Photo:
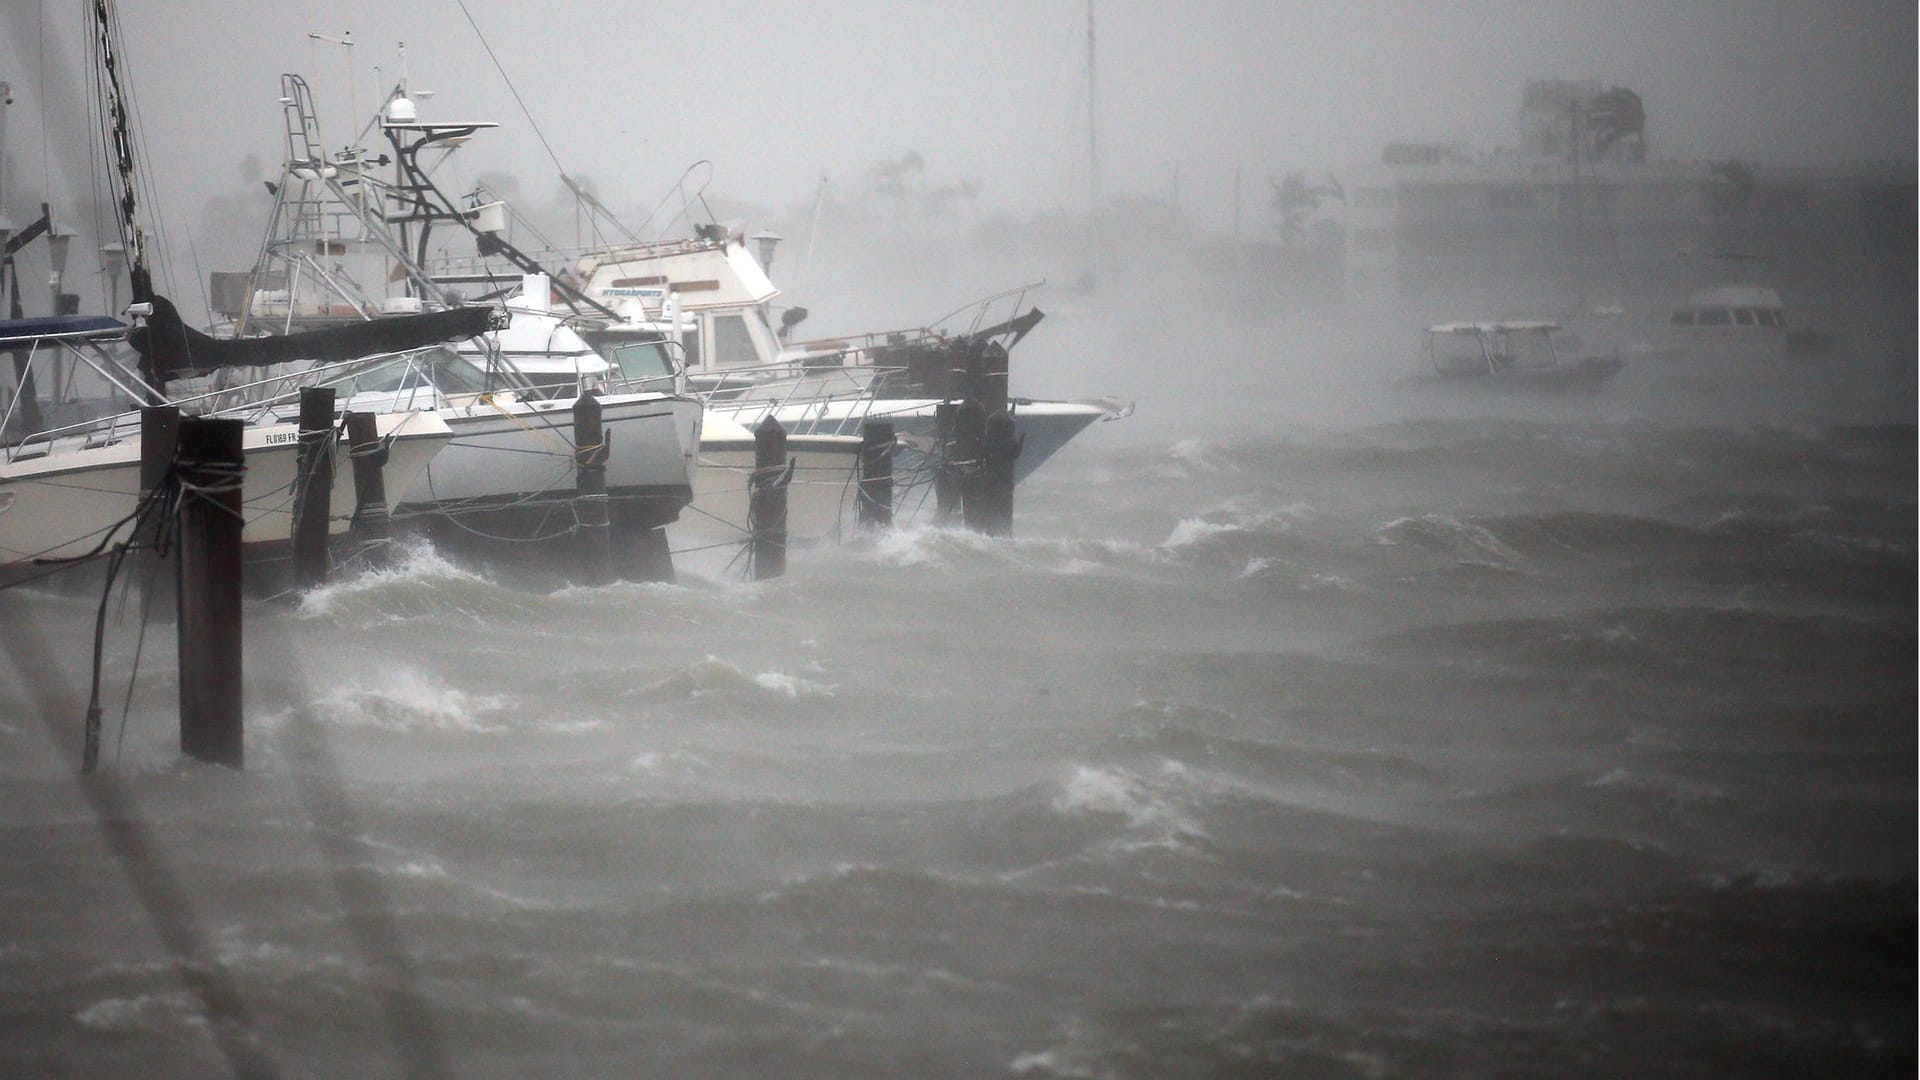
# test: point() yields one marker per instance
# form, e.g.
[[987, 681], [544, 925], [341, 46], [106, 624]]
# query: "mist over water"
[[1312, 723], [1307, 726]]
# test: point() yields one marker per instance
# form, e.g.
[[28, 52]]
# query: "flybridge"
[[700, 274]]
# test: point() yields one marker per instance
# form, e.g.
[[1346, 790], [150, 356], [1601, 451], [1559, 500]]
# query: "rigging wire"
[[156, 500], [594, 208], [46, 156]]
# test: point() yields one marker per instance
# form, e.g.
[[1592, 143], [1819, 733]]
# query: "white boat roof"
[[538, 342], [698, 273], [1493, 326], [437, 125]]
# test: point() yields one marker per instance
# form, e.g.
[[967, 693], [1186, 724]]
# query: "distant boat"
[[1733, 324], [1517, 354]]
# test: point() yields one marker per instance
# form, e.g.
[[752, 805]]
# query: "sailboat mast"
[[138, 274], [1093, 156]]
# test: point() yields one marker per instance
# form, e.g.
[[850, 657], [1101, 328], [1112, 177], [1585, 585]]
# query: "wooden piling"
[[767, 500], [993, 485], [372, 526], [969, 435], [946, 488], [875, 504], [313, 487], [210, 465], [159, 435], [992, 381], [159, 429], [594, 544]]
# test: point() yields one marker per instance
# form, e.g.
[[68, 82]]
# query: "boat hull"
[[509, 472], [67, 502], [1044, 426], [1584, 377], [821, 494]]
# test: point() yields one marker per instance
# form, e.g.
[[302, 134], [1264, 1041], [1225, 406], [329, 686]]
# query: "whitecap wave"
[[410, 701], [416, 564], [713, 675], [1150, 807], [1451, 535], [1193, 530], [142, 1013], [1192, 456]]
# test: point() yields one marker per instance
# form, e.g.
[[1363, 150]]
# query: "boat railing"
[[996, 315], [839, 397], [999, 308], [269, 400]]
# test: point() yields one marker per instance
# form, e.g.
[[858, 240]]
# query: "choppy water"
[[1439, 741]]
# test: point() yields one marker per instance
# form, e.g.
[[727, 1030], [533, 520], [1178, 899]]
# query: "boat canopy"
[[169, 347], [26, 331], [1736, 296], [1505, 326]]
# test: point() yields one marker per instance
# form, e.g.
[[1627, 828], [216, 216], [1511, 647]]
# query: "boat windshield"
[[645, 364], [439, 367], [1458, 354], [1525, 349]]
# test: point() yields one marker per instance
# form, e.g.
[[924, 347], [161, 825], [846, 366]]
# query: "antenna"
[[1093, 161], [345, 40]]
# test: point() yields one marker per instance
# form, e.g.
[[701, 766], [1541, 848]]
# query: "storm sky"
[[779, 95]]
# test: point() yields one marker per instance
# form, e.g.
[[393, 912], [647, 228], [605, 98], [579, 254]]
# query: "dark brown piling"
[[876, 474], [313, 487], [594, 544], [210, 465], [767, 500], [969, 436], [159, 439], [990, 506], [946, 486], [159, 435], [372, 527], [992, 380]]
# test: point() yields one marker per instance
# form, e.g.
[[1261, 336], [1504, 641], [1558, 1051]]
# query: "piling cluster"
[[198, 465]]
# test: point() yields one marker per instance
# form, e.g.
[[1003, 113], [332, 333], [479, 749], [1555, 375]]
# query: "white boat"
[[1518, 354], [1729, 324], [510, 464], [509, 474], [68, 492], [713, 298], [822, 488]]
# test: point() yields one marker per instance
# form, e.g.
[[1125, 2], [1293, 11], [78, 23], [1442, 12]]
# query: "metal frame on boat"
[[1514, 352]]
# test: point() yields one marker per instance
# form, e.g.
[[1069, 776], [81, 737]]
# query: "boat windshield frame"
[[1503, 346]]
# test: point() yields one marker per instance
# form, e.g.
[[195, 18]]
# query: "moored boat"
[[1515, 354], [71, 491]]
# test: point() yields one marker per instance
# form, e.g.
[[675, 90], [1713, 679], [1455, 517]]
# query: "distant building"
[[1580, 198], [1582, 122]]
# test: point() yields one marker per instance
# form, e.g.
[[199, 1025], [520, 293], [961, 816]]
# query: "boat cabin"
[[711, 289], [1730, 322], [1731, 305]]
